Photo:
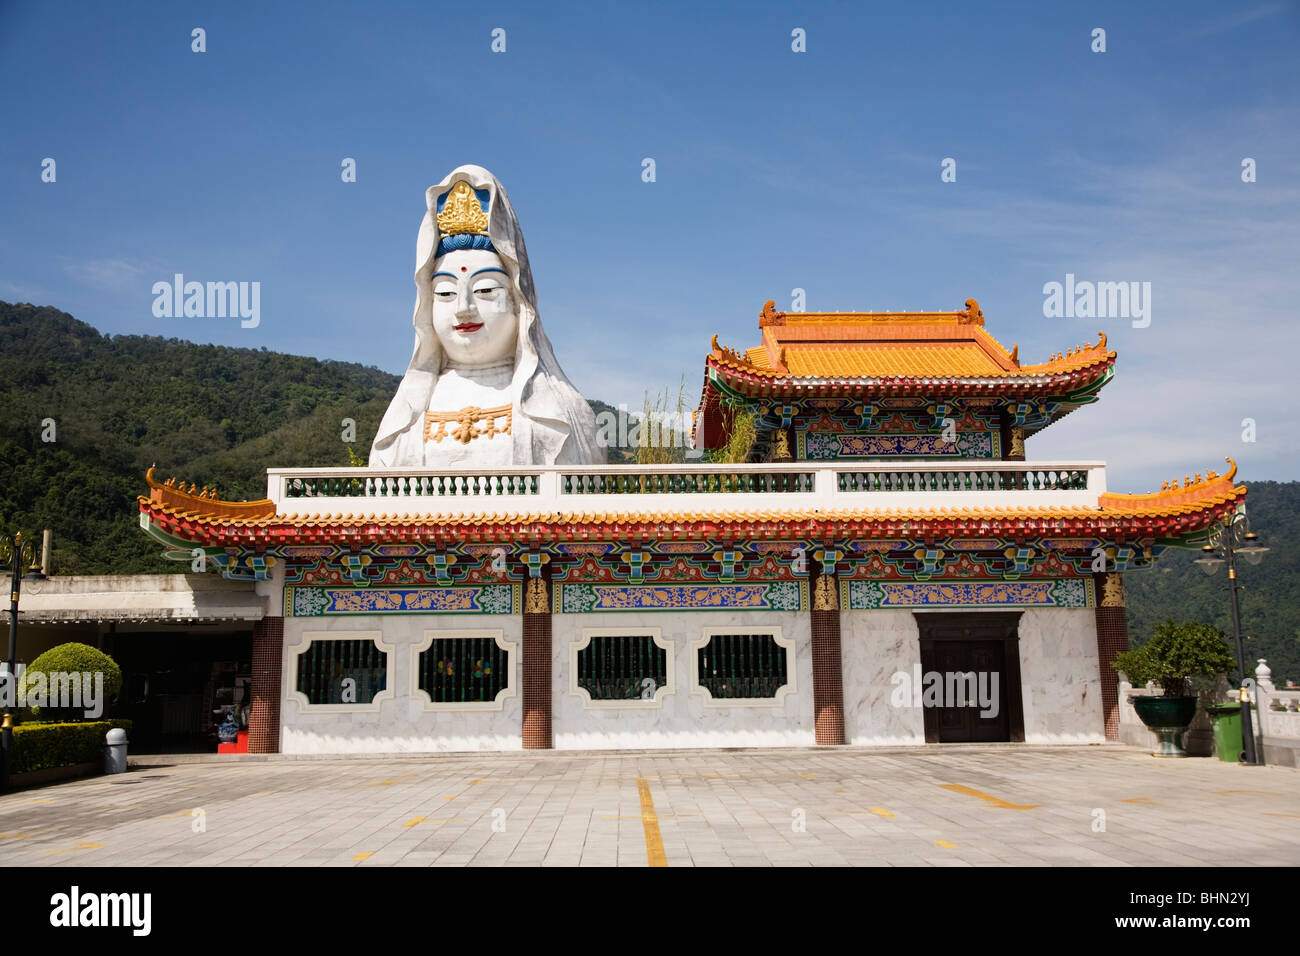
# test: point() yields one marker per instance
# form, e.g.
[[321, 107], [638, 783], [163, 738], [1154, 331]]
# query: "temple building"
[[884, 568], [887, 568]]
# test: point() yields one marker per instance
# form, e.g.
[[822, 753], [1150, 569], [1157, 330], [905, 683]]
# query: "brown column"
[[264, 711], [1112, 638], [537, 663], [828, 679]]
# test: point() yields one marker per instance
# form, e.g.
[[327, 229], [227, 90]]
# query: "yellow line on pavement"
[[363, 856], [1140, 800], [1266, 793], [75, 847], [13, 836], [654, 841], [945, 844], [477, 780], [413, 822], [881, 811], [996, 801]]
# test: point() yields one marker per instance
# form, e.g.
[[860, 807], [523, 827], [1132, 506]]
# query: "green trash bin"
[[1227, 731]]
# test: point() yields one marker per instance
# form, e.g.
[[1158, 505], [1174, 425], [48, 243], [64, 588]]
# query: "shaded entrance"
[[177, 686], [976, 656]]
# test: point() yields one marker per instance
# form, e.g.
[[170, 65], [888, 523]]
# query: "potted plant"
[[1175, 655]]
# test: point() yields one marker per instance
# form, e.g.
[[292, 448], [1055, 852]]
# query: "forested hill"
[[115, 405], [220, 416], [1270, 612]]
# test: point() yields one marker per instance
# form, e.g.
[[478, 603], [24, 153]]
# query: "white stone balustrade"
[[1276, 714], [800, 485]]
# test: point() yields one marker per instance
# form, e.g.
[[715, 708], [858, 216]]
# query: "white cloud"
[[105, 273]]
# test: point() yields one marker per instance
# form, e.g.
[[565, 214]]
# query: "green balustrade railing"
[[408, 486], [688, 483], [963, 480]]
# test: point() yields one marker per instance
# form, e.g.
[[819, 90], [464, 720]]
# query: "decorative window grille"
[[325, 666], [742, 666], [458, 670], [622, 667]]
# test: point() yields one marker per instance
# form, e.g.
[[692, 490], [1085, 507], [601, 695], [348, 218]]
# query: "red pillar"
[[264, 711], [1112, 638], [828, 678], [537, 664]]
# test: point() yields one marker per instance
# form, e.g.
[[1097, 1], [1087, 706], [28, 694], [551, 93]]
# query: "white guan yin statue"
[[483, 389]]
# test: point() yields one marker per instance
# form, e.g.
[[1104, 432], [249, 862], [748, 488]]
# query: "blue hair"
[[462, 241]]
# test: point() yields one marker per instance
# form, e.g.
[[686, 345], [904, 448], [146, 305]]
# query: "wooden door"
[[983, 645]]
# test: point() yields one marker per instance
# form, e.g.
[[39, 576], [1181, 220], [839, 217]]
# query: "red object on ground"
[[240, 746]]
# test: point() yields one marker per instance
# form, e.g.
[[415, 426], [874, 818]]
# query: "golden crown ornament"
[[462, 212]]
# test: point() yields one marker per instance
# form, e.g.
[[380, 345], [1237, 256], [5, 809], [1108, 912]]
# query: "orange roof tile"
[[1173, 498], [926, 345]]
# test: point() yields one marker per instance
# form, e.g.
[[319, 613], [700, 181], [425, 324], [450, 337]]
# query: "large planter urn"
[[1168, 718]]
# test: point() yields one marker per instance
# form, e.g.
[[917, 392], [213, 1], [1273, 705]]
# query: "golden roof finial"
[[971, 315], [462, 212], [769, 316]]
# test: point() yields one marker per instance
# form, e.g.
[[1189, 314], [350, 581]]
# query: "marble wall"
[[1060, 677], [401, 723], [1060, 682], [1061, 687], [683, 717], [874, 646]]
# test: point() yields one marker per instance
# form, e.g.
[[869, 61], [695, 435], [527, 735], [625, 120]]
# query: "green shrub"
[[1175, 654], [42, 746], [68, 659]]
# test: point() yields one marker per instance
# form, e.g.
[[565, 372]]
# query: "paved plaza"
[[934, 806]]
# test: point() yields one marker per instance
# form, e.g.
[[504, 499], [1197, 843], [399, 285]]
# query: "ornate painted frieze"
[[881, 595], [593, 598], [886, 430], [815, 447], [328, 601]]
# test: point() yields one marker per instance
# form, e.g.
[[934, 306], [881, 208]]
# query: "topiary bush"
[[1175, 654], [42, 746], [72, 658]]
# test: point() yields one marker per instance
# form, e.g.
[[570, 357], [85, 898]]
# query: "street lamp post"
[[16, 553], [1232, 537]]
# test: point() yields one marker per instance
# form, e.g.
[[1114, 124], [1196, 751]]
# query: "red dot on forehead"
[[464, 268]]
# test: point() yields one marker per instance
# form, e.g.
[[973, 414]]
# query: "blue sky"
[[775, 170]]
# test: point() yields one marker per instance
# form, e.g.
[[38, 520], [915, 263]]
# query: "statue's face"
[[474, 313]]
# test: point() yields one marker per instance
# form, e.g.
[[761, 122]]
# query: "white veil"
[[552, 423]]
